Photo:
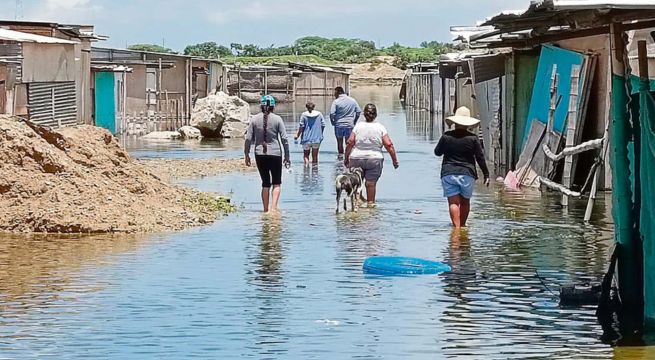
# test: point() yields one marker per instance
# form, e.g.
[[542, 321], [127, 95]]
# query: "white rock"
[[221, 115], [162, 135], [190, 132]]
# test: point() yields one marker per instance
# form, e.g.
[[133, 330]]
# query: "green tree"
[[208, 50], [236, 48], [250, 50], [151, 48]]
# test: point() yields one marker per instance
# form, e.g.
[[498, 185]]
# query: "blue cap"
[[267, 100]]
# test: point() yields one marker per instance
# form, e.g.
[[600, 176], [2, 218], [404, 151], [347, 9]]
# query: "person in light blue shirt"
[[344, 113], [310, 132]]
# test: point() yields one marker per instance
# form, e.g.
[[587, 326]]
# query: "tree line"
[[334, 50]]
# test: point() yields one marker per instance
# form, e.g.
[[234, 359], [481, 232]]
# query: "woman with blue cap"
[[266, 131]]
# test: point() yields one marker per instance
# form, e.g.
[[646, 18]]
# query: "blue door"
[[540, 103], [106, 101]]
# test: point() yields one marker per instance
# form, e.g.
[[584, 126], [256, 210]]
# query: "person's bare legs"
[[276, 196], [266, 191], [464, 209], [306, 156], [454, 210], [314, 156], [340, 142], [370, 192]]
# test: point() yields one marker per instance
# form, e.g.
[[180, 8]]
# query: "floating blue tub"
[[398, 265]]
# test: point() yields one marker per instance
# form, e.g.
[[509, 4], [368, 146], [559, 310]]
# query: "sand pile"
[[80, 180], [376, 72]]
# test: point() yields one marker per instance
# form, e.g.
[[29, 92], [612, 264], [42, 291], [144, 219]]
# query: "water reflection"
[[311, 182], [268, 285], [37, 272], [423, 125]]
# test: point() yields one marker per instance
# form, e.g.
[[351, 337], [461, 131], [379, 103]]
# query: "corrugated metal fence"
[[52, 104]]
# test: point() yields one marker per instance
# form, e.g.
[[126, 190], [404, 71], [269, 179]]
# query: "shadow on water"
[[291, 286]]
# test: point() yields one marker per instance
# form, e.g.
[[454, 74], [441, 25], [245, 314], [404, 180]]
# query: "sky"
[[177, 23]]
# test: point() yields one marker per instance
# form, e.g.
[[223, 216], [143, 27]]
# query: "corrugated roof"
[[10, 35], [602, 4]]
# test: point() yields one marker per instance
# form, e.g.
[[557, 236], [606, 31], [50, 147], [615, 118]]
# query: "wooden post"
[[265, 81], [159, 86], [124, 98], [510, 120], [239, 80], [571, 130], [643, 59]]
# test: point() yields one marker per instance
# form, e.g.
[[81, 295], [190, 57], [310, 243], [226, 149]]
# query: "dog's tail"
[[337, 182]]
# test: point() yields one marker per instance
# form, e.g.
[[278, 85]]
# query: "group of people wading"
[[359, 144]]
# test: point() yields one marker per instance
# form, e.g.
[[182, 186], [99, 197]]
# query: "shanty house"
[[581, 73], [84, 36], [38, 76], [140, 91], [285, 81]]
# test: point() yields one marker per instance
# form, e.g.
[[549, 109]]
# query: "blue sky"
[[181, 22]]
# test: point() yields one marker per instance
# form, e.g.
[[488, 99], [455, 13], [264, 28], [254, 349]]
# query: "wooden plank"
[[588, 75], [571, 129]]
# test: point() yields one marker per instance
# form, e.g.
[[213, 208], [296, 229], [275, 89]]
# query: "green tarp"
[[647, 211], [621, 135], [632, 137]]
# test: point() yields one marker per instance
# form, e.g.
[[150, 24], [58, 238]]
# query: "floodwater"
[[291, 286]]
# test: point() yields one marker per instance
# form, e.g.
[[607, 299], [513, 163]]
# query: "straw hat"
[[462, 117]]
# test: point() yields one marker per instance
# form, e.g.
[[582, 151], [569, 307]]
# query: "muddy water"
[[291, 286]]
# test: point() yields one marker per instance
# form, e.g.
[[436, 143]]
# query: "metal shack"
[[38, 78], [285, 81], [137, 92], [82, 34]]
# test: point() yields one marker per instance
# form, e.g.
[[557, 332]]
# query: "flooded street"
[[291, 286]]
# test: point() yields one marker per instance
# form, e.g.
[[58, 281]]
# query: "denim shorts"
[[342, 131], [458, 185]]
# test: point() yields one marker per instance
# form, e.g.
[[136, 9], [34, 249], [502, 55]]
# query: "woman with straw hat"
[[460, 150]]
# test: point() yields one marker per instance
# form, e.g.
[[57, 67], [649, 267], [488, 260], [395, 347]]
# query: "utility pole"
[[19, 10]]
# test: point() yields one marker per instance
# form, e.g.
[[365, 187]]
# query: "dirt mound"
[[376, 72], [80, 180]]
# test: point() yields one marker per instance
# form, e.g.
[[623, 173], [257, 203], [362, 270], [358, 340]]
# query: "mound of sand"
[[80, 180], [376, 72]]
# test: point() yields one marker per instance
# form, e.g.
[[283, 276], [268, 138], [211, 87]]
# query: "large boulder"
[[221, 116], [190, 132]]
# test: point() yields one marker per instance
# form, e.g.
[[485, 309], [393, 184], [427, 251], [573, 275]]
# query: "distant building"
[[47, 91], [141, 91]]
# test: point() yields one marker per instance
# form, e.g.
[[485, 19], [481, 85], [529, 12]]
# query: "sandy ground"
[[80, 180], [376, 72], [170, 169]]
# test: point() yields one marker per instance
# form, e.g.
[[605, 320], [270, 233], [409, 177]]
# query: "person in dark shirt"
[[460, 150]]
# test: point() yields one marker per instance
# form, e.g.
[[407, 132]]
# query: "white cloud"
[[285, 9], [64, 10]]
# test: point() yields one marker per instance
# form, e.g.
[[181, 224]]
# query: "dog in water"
[[351, 183]]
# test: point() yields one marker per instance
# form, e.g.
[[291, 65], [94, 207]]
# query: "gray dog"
[[351, 183]]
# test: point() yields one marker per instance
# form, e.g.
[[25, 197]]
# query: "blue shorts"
[[458, 185], [342, 131]]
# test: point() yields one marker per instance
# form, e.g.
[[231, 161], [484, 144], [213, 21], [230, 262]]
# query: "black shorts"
[[270, 169]]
